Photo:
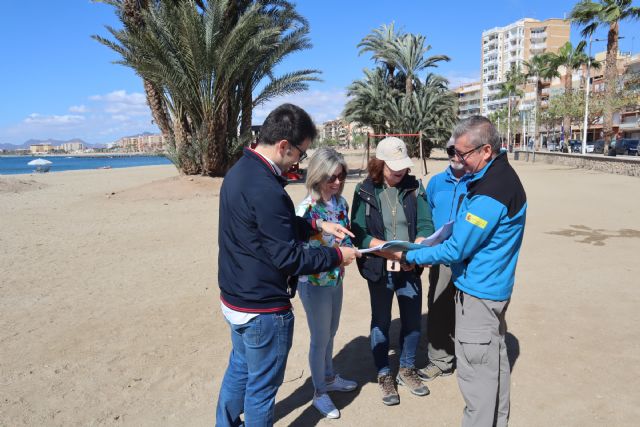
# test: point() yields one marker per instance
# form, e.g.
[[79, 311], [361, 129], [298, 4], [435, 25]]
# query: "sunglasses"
[[303, 154], [451, 151], [341, 176]]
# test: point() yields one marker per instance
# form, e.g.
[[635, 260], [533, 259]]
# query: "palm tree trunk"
[[183, 139], [247, 111], [408, 86], [611, 74], [159, 112], [568, 89], [215, 156]]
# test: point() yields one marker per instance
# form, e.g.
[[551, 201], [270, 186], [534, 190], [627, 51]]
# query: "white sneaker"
[[340, 384], [326, 407]]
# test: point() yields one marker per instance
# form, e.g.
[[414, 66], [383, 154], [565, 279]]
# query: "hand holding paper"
[[442, 234]]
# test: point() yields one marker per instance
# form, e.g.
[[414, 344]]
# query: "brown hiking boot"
[[431, 372], [387, 387], [409, 378]]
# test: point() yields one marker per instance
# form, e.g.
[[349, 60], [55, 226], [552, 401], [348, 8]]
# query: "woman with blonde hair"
[[321, 293]]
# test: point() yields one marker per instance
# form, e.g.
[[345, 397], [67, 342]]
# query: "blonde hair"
[[322, 165]]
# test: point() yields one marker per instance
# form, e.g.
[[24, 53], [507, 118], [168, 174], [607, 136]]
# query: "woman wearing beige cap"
[[389, 205]]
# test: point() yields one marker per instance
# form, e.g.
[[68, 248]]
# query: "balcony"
[[537, 48], [538, 37]]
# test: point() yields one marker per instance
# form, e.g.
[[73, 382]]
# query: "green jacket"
[[424, 224]]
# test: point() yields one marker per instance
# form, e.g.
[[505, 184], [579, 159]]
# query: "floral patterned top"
[[337, 210]]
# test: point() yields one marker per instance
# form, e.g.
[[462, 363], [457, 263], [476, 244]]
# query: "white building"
[[509, 46]]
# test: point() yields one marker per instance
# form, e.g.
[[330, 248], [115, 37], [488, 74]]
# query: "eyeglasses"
[[341, 176], [303, 154], [463, 156]]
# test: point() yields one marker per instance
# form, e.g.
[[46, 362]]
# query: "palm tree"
[[430, 109], [571, 59], [402, 52], [295, 40], [407, 53], [204, 61], [392, 98], [510, 88], [378, 42], [367, 100], [539, 68], [130, 12], [606, 13]]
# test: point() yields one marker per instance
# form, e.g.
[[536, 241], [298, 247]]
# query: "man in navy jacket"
[[262, 250], [482, 251]]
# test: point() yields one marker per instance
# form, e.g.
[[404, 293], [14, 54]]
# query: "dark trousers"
[[407, 288], [441, 318]]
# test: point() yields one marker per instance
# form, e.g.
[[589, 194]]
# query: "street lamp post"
[[586, 102], [586, 97]]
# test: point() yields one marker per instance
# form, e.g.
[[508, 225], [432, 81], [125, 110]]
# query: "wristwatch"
[[319, 223], [403, 258]]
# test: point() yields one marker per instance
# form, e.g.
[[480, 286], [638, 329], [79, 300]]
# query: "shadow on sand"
[[355, 362]]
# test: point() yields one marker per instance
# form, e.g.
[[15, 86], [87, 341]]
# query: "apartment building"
[[509, 46], [337, 130], [146, 143], [469, 99], [40, 148], [71, 147]]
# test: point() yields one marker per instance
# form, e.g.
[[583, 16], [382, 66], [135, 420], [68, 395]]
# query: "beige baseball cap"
[[394, 153]]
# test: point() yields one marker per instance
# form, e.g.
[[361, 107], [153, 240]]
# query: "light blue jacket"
[[487, 234], [443, 194]]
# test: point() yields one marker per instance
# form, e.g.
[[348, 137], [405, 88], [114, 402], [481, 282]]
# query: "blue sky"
[[59, 83]]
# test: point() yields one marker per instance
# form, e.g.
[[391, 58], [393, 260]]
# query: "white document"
[[442, 234]]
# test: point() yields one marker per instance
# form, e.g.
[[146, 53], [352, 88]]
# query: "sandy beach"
[[109, 309]]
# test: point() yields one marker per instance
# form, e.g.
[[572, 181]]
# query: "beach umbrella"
[[39, 162]]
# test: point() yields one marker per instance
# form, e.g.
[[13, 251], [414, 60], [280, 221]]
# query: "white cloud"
[[121, 103], [39, 119], [321, 105], [104, 119], [107, 117], [78, 109], [121, 96]]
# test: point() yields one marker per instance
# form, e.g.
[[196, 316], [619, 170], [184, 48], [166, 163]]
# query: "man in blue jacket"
[[444, 194], [262, 250], [483, 252]]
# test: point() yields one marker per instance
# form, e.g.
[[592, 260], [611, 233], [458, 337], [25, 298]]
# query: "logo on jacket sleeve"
[[476, 220]]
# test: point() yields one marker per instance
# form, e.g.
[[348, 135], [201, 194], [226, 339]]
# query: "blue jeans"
[[256, 370], [322, 305], [407, 287]]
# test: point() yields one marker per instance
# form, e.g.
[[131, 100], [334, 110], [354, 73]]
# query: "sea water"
[[11, 165]]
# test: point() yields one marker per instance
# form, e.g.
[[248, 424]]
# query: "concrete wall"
[[623, 165]]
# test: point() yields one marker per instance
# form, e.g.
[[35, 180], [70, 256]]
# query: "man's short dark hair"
[[288, 122]]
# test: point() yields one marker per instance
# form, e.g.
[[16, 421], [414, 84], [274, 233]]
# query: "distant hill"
[[53, 142]]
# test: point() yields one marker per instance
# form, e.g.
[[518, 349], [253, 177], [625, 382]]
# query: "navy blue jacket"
[[262, 243], [487, 234]]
